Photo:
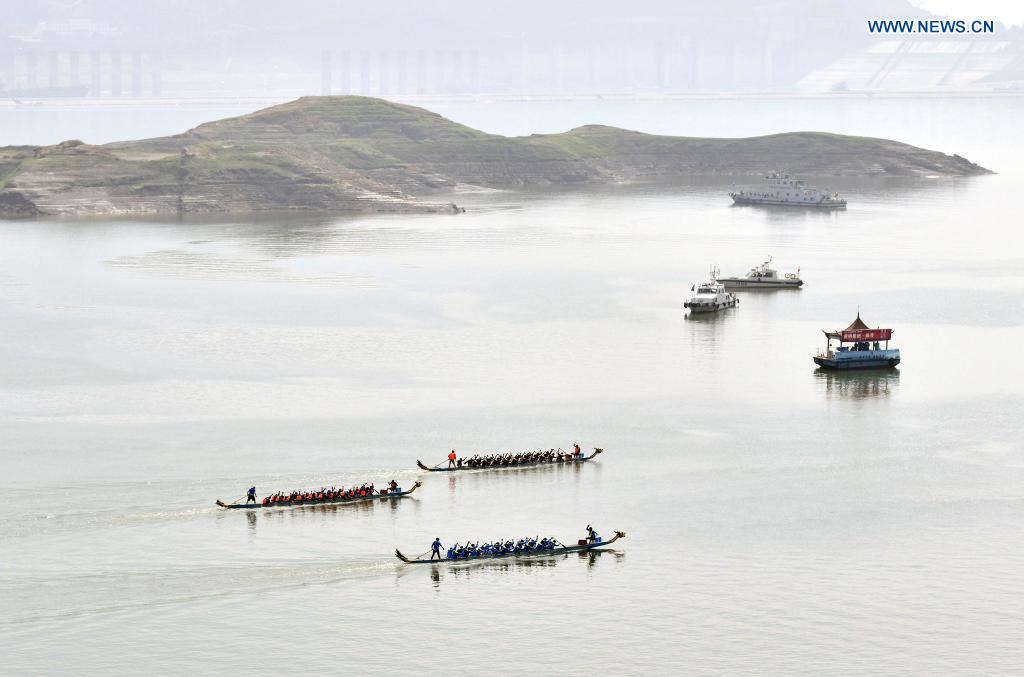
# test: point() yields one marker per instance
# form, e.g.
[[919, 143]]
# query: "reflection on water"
[[764, 291], [503, 473], [720, 317], [792, 216], [486, 567], [499, 481], [858, 383]]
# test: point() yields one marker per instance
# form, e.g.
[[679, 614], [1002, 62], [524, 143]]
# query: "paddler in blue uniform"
[[435, 548], [250, 497]]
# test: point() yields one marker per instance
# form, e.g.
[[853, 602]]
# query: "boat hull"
[[710, 307], [537, 554], [845, 365], [832, 204], [326, 501], [744, 283], [513, 467]]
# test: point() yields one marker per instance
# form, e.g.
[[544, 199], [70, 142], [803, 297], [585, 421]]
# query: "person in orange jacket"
[[451, 459]]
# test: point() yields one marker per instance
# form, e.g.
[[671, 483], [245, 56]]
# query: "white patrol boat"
[[710, 296], [785, 191], [764, 277]]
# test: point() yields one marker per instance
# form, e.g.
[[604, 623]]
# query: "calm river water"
[[779, 520]]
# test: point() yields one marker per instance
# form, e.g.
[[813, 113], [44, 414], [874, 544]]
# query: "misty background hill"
[[457, 48], [354, 153]]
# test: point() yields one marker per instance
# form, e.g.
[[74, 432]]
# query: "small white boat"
[[764, 277], [710, 296]]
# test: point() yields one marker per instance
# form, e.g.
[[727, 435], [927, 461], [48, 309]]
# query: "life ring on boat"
[[787, 275]]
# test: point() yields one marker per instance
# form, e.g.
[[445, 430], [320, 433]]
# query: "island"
[[362, 154]]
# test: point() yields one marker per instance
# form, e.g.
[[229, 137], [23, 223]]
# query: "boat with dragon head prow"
[[523, 549], [531, 459], [321, 496]]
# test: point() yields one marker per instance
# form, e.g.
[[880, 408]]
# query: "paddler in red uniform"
[[451, 459]]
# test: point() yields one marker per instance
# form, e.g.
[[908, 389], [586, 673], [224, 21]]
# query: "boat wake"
[[40, 598]]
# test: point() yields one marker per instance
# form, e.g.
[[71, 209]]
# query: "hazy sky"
[[1010, 12], [460, 47]]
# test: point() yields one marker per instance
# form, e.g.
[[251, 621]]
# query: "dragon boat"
[[345, 498], [532, 554], [508, 466]]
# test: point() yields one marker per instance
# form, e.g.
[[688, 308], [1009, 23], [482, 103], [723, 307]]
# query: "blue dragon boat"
[[865, 349], [581, 546]]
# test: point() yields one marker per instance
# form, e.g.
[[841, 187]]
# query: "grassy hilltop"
[[351, 153]]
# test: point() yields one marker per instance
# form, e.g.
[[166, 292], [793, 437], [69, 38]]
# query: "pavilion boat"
[[322, 499], [581, 546], [568, 460], [865, 350]]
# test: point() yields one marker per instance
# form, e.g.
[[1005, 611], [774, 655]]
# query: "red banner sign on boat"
[[866, 335]]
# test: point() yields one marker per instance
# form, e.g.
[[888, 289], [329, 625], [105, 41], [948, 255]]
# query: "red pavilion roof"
[[858, 331]]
